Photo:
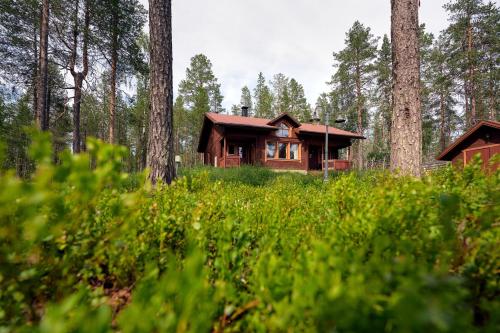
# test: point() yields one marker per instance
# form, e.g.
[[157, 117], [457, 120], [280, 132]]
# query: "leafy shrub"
[[85, 247]]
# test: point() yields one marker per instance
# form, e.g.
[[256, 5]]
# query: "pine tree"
[[19, 44], [120, 23], [426, 75], [406, 136], [41, 118], [263, 98], [355, 72], [383, 98], [489, 69], [200, 93], [246, 100], [299, 108], [199, 78], [442, 94], [465, 50], [281, 97]]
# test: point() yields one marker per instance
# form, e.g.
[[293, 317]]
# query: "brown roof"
[[225, 119], [321, 129], [490, 123]]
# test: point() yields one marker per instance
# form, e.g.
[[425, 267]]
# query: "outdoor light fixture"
[[315, 115]]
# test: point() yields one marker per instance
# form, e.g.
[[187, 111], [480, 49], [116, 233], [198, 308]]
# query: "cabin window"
[[282, 150], [283, 131], [294, 151], [231, 150], [271, 149]]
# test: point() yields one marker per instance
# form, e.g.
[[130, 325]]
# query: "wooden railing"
[[338, 165], [230, 161]]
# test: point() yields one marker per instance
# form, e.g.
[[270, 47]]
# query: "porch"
[[339, 158], [237, 151]]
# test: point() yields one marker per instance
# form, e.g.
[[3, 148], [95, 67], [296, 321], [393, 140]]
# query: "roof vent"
[[244, 111]]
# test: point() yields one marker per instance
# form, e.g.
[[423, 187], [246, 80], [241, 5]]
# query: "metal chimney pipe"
[[244, 111]]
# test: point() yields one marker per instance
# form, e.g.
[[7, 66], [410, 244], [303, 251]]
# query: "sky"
[[293, 37]]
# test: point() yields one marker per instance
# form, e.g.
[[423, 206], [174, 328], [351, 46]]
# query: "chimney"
[[244, 111]]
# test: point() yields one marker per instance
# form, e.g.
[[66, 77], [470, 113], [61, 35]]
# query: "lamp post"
[[337, 121]]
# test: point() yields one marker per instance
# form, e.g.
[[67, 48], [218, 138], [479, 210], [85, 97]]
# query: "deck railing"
[[337, 165], [230, 161]]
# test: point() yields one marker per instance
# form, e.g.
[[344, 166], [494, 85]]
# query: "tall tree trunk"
[[46, 116], [112, 97], [160, 157], [472, 93], [491, 85], [42, 79], [442, 122], [359, 106], [406, 141], [34, 77], [114, 63], [78, 77]]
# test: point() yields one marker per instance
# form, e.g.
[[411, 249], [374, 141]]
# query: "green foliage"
[[263, 98], [245, 250]]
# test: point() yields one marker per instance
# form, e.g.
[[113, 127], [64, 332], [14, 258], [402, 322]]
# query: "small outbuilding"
[[483, 139]]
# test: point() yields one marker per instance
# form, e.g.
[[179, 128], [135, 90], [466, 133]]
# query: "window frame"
[[288, 145], [297, 157], [274, 143], [283, 127]]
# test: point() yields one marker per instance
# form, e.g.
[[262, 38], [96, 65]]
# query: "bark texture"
[[42, 78], [406, 140], [160, 158]]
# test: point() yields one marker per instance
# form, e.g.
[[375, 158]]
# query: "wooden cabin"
[[483, 139], [281, 143]]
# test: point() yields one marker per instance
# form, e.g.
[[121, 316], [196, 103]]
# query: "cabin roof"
[[225, 119], [452, 149], [321, 129]]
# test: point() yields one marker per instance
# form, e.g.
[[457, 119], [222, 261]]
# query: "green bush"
[[85, 247]]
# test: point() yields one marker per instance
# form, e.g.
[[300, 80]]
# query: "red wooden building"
[[483, 139], [281, 143]]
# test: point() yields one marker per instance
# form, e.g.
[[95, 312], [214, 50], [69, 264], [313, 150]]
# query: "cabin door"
[[314, 158]]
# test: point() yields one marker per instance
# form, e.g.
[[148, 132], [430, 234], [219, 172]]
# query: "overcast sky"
[[293, 37]]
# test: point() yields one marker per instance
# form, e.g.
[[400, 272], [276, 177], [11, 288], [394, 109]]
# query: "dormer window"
[[283, 131]]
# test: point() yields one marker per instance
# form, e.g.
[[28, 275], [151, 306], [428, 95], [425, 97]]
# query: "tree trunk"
[[114, 62], [160, 157], [46, 116], [112, 97], [442, 123], [359, 106], [472, 93], [491, 84], [34, 78], [78, 79], [406, 140], [42, 79]]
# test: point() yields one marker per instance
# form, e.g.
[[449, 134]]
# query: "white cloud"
[[294, 37]]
